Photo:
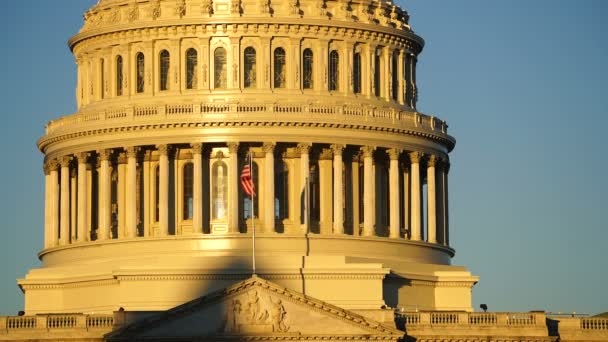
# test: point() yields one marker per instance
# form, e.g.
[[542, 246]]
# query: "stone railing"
[[97, 324], [448, 323], [453, 323], [226, 112]]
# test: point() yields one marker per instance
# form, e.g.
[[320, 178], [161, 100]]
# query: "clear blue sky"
[[523, 85]]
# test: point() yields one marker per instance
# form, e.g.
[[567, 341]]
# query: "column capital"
[[82, 157], [268, 147], [303, 148], [233, 147], [197, 148], [414, 157], [326, 154], [368, 151], [122, 158], [432, 161], [163, 150], [52, 165], [337, 149], [393, 153], [104, 154], [65, 161], [131, 151]]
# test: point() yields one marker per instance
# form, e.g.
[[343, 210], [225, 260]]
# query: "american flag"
[[246, 178]]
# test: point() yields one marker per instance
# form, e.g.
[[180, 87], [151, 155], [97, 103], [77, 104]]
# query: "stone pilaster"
[[233, 187], [131, 192], [82, 197], [105, 199], [64, 220], [431, 199]]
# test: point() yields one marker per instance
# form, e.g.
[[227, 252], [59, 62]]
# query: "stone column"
[[82, 197], [163, 190], [415, 232], [431, 199], [53, 202], [393, 188], [338, 190], [304, 190], [131, 192], [325, 192], [269, 218], [65, 201], [105, 199], [197, 196], [445, 197], [368, 191], [233, 188]]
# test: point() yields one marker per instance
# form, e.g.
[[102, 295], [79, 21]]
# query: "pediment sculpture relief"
[[253, 312]]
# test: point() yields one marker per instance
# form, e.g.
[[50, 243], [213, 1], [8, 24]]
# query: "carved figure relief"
[[155, 10], [253, 312], [235, 7], [133, 13], [114, 16], [207, 7], [180, 8]]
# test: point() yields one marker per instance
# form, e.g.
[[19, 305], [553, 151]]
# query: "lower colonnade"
[[180, 189]]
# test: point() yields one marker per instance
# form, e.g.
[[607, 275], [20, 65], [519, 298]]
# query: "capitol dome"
[[144, 208]]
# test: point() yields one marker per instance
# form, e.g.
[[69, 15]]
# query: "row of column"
[[58, 212]]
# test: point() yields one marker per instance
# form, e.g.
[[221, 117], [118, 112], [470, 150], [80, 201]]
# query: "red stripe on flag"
[[247, 181]]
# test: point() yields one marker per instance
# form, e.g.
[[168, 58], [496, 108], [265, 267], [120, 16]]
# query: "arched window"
[[219, 66], [141, 79], [357, 73], [157, 194], [307, 69], [119, 80], [247, 199], [191, 63], [281, 191], [334, 73], [279, 68], [219, 191], [395, 75], [188, 184], [164, 69], [249, 72], [377, 70]]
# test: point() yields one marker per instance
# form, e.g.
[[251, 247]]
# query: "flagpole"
[[252, 214]]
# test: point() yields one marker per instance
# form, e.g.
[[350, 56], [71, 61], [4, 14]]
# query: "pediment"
[[255, 309]]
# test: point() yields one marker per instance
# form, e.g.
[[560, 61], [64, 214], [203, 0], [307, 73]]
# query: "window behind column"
[[377, 69], [164, 69], [307, 69], [334, 73], [220, 77], [119, 79], [281, 190], [156, 194], [279, 68], [102, 75], [357, 73], [191, 64], [140, 72], [114, 203], [187, 186], [249, 72]]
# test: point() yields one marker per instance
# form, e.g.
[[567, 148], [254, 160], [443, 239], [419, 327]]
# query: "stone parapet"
[[57, 327]]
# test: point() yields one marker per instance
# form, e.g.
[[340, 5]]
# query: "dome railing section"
[[209, 111]]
